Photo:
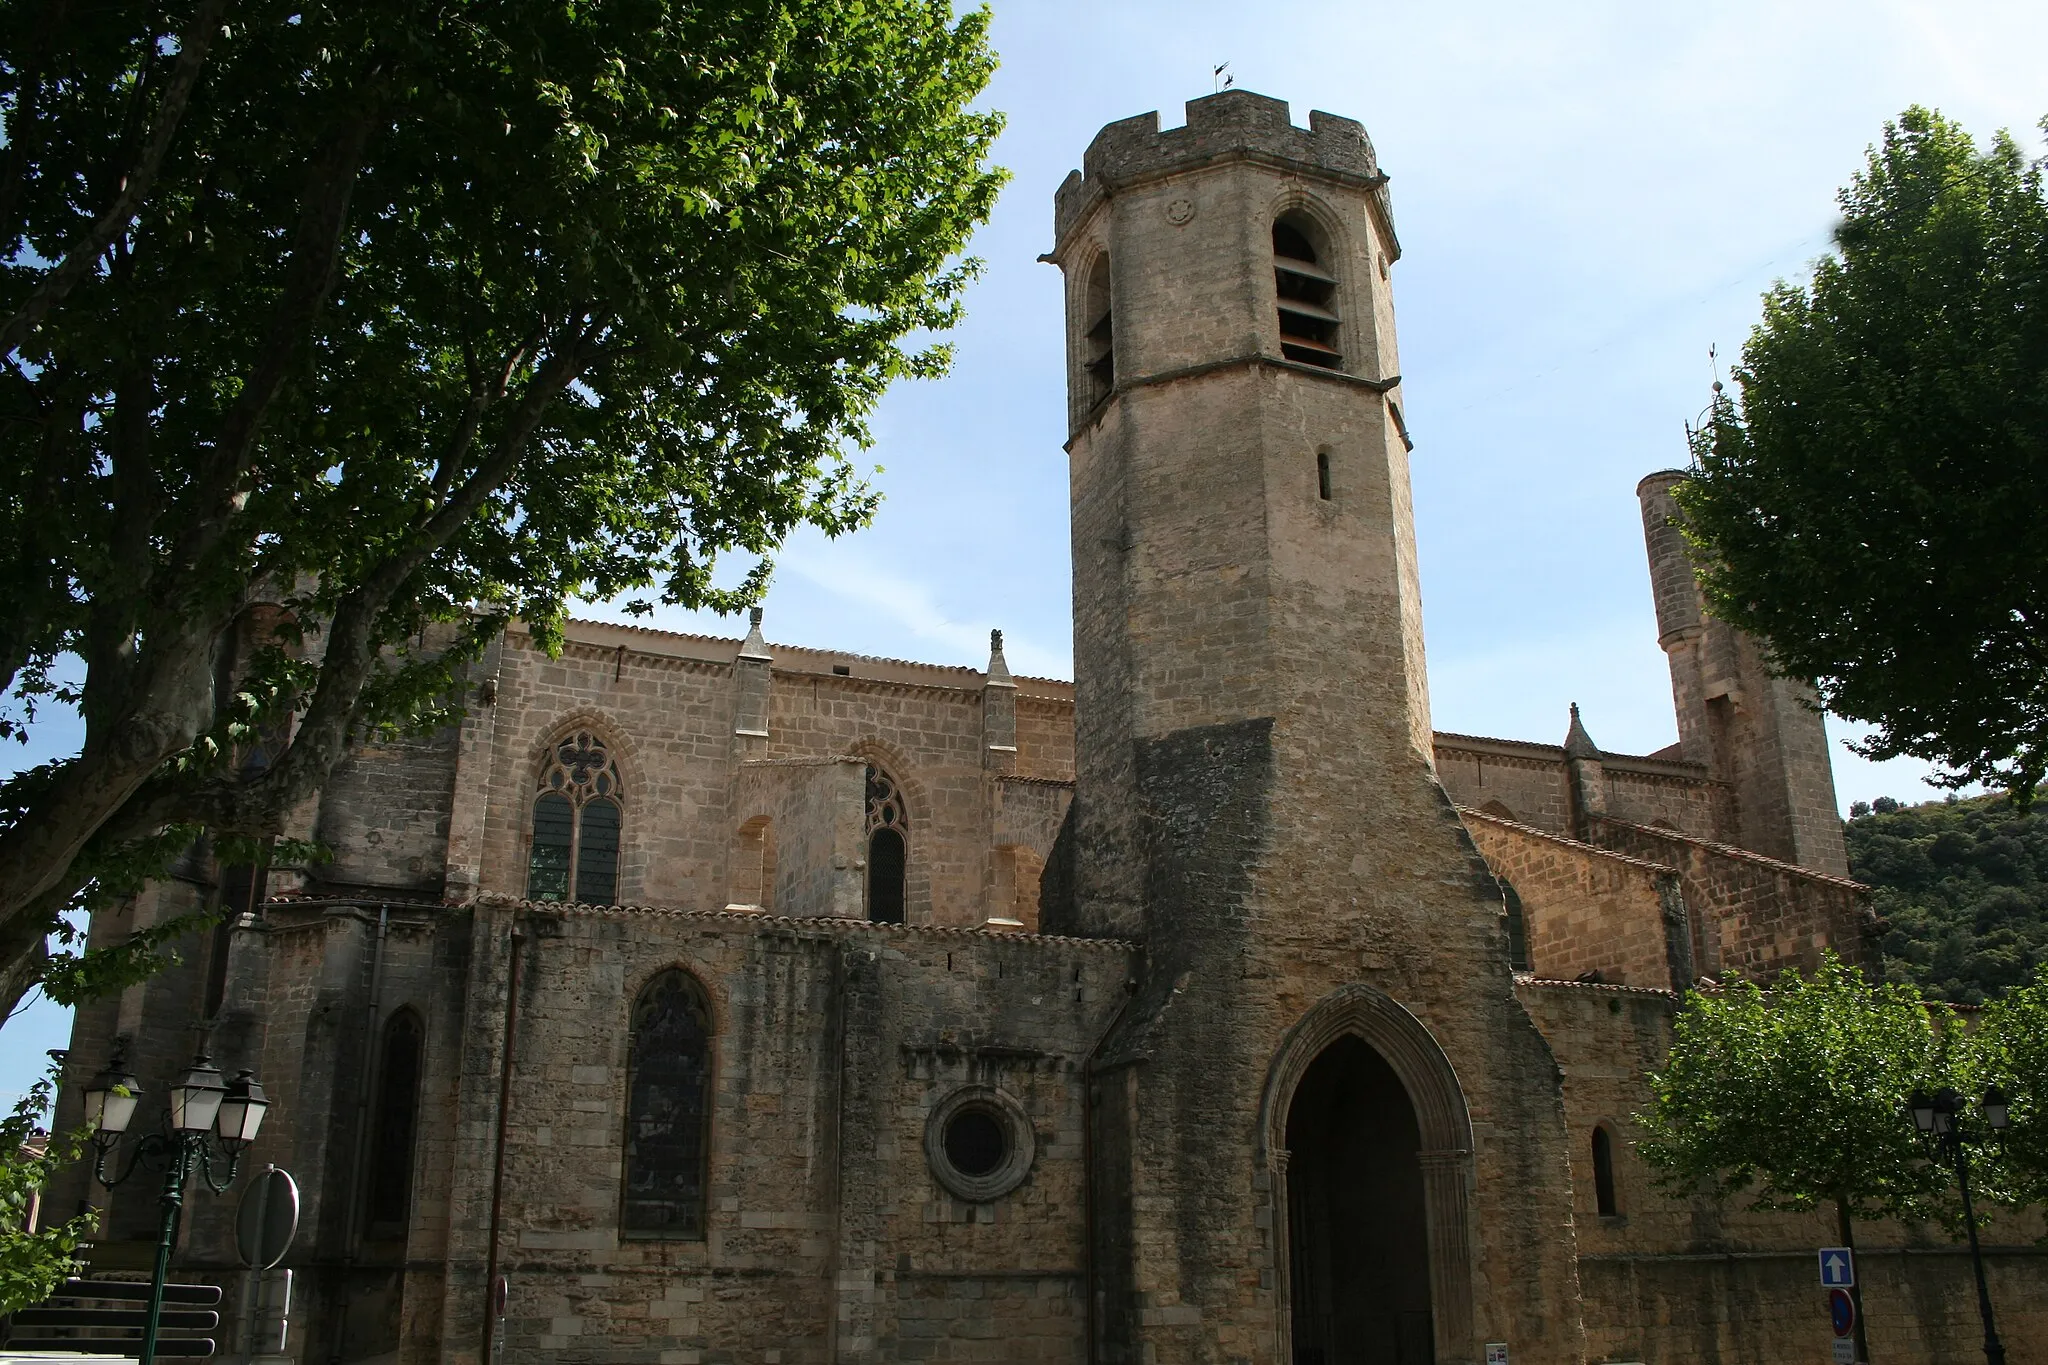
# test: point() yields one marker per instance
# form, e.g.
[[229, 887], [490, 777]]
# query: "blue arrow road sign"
[[1837, 1267]]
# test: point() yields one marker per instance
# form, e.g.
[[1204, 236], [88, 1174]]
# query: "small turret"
[[999, 710], [1588, 776], [750, 674], [1760, 734]]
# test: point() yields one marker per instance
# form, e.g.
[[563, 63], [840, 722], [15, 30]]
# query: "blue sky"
[[1589, 196]]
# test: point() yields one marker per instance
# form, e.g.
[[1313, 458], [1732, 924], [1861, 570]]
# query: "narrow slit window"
[[1603, 1174], [1307, 294], [577, 821], [391, 1144], [1518, 928], [1323, 475]]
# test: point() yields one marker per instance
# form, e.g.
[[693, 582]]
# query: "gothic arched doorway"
[[1358, 1226]]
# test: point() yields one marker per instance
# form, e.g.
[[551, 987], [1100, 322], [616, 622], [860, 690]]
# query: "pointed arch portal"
[[1357, 1237], [1369, 1145]]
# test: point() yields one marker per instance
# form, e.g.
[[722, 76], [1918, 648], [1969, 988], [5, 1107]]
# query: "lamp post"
[[1940, 1118], [200, 1106]]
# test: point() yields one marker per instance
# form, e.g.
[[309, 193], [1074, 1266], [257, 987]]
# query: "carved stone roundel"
[[979, 1143], [1179, 211]]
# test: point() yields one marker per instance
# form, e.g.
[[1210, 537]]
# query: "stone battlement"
[[1235, 122]]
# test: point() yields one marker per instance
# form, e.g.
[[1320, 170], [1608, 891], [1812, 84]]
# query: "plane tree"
[[333, 336], [1795, 1099], [1873, 502]]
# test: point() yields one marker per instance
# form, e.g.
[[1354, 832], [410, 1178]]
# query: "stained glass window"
[[576, 823], [888, 830], [668, 1117]]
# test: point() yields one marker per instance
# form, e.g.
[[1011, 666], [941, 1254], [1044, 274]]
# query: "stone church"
[[729, 1001]]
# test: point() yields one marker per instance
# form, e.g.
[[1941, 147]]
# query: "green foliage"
[[1963, 885], [32, 1264], [370, 326], [2010, 1050], [1796, 1096], [1876, 506]]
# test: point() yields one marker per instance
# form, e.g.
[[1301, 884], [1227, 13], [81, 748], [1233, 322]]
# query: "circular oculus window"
[[979, 1143]]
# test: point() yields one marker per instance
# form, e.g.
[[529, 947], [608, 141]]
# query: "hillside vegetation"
[[1964, 886]]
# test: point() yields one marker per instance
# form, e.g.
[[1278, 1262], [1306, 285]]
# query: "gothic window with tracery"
[[888, 834], [576, 821], [668, 1114]]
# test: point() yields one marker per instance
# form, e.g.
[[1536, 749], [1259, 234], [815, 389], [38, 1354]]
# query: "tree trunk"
[[1845, 1228]]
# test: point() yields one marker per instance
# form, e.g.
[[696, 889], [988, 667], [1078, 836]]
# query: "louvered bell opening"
[[1098, 343], [1101, 361], [1307, 297]]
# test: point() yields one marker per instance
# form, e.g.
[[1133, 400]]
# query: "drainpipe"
[[359, 1161], [498, 1156]]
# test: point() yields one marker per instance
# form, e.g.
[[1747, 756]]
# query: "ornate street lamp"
[[200, 1105], [1945, 1126]]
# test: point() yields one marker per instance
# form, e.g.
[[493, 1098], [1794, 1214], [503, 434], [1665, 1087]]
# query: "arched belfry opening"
[[1307, 293], [1098, 339], [1358, 1228]]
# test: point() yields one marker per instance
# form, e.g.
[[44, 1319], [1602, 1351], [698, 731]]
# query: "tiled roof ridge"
[[799, 921], [1449, 739], [375, 895], [1438, 736], [1743, 854], [773, 645], [1575, 845], [1531, 979]]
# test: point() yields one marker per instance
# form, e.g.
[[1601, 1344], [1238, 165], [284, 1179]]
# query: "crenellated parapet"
[[1235, 124]]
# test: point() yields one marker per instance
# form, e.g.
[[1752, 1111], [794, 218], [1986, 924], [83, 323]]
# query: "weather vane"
[[1221, 74]]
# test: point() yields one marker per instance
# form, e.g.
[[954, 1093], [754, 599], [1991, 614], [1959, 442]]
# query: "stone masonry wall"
[[814, 807], [1753, 915], [667, 706], [1587, 909], [829, 1239], [1688, 1282], [1526, 782], [384, 814], [1649, 792]]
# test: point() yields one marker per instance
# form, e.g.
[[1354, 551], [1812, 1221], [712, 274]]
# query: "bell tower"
[[1256, 799]]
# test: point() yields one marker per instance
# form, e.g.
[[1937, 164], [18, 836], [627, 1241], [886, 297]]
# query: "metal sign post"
[[1838, 1277], [264, 1227], [1842, 1317]]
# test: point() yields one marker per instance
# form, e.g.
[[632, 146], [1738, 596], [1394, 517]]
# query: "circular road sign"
[[1841, 1311], [268, 1219]]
